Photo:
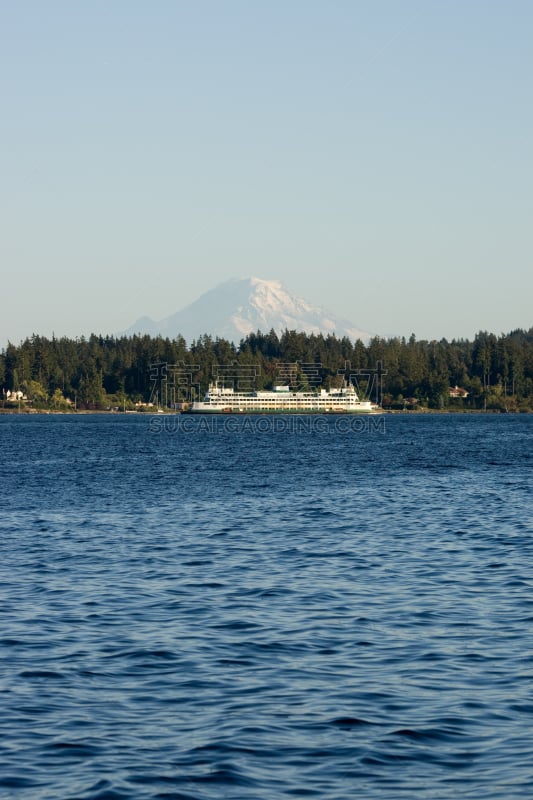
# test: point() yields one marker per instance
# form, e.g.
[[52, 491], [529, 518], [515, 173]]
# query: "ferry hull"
[[212, 408], [220, 412]]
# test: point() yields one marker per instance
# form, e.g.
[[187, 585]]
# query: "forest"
[[493, 373]]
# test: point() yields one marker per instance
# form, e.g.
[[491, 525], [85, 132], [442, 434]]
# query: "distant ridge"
[[240, 306]]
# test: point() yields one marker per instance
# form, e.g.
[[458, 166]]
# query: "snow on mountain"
[[241, 306]]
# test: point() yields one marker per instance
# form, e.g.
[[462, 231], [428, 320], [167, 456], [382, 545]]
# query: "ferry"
[[281, 399]]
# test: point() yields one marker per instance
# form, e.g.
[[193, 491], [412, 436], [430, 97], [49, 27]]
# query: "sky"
[[375, 156]]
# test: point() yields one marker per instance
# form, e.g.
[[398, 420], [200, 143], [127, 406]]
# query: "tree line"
[[101, 372]]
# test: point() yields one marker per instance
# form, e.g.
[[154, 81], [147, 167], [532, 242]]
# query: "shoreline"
[[412, 413]]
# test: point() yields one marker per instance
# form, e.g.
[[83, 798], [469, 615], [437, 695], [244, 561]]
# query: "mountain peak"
[[240, 306]]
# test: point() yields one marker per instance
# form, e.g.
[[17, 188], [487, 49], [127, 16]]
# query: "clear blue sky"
[[375, 156]]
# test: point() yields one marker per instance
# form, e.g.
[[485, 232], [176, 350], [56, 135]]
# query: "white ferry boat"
[[220, 400]]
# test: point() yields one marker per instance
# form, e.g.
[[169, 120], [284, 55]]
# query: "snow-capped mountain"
[[241, 306]]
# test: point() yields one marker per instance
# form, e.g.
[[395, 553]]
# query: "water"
[[260, 612]]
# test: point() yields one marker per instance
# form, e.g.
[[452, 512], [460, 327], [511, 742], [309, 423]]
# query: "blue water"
[[263, 611]]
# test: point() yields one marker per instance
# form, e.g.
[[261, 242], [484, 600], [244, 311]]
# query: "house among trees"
[[456, 391], [15, 396]]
